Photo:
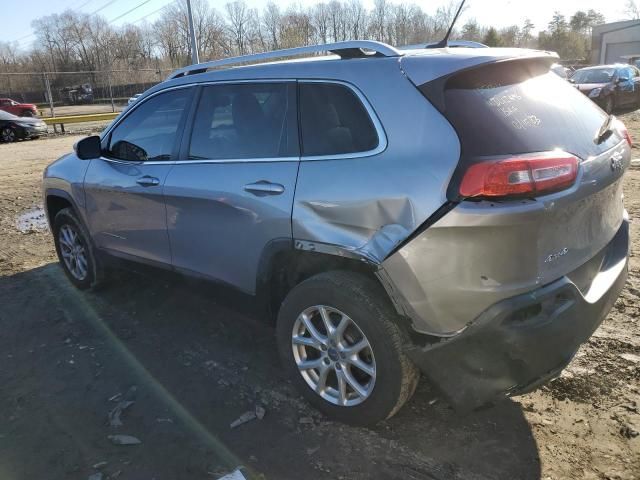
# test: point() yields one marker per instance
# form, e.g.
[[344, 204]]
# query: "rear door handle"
[[148, 181], [264, 187]]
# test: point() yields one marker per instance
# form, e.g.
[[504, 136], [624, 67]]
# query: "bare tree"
[[378, 20], [272, 24], [631, 10], [320, 21], [337, 21], [356, 16], [238, 17]]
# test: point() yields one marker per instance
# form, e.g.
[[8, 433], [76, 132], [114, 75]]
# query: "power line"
[[129, 11], [23, 41], [154, 12], [19, 39], [83, 4], [103, 7], [26, 36]]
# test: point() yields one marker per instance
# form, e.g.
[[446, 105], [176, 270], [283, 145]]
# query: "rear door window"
[[334, 121], [245, 121], [519, 107]]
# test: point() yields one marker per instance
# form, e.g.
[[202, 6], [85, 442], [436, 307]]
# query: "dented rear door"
[[362, 198]]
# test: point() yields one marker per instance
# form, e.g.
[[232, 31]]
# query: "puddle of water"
[[32, 221]]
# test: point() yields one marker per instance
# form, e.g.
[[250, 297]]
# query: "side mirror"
[[88, 148]]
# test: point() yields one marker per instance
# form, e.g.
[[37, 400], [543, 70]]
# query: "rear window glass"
[[521, 107], [334, 121]]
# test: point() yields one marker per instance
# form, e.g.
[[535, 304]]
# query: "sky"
[[16, 21]]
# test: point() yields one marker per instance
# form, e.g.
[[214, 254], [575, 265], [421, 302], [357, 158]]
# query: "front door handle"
[[148, 181], [264, 187]]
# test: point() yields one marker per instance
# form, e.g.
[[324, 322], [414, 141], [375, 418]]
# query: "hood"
[[29, 121]]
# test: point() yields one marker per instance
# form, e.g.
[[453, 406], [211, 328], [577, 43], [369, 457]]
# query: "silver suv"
[[455, 212]]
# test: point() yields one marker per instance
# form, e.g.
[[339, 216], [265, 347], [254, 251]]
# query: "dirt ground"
[[194, 357]]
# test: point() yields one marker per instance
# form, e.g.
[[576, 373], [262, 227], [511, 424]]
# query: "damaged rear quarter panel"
[[368, 205]]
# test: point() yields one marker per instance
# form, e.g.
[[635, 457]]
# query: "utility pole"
[[47, 85], [192, 32]]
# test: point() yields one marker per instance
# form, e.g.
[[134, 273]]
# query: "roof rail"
[[450, 44], [350, 49], [459, 44]]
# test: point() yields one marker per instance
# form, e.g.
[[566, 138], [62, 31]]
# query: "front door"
[[626, 89], [230, 194], [124, 188]]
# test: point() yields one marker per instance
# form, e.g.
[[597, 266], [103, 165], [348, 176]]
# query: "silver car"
[[455, 212], [133, 99]]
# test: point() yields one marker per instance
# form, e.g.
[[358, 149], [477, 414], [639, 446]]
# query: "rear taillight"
[[526, 175], [623, 131]]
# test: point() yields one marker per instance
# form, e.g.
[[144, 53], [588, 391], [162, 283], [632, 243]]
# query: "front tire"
[[341, 345], [75, 251], [609, 104]]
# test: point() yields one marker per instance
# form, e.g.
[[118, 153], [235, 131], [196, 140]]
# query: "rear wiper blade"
[[605, 130]]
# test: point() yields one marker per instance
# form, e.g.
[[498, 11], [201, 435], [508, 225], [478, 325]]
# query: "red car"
[[17, 108]]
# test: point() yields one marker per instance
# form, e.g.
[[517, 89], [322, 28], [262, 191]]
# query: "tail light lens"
[[624, 132], [527, 175]]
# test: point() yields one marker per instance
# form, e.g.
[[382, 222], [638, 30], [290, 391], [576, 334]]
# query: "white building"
[[615, 42]]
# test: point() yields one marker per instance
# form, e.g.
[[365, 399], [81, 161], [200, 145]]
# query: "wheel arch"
[[286, 263], [56, 200]]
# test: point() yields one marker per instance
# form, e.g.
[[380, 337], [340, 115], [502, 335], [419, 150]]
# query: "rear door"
[[124, 188], [230, 194]]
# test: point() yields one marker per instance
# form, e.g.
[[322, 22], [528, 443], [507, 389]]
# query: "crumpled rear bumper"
[[520, 343]]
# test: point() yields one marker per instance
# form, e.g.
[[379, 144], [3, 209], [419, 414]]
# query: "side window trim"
[[375, 120], [105, 139], [185, 137], [188, 130]]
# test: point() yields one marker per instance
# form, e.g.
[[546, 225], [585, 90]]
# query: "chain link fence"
[[78, 93]]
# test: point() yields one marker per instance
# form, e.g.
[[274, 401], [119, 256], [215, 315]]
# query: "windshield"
[[596, 75], [7, 116]]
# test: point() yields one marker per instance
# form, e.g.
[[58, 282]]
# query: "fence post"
[[48, 86], [113, 107]]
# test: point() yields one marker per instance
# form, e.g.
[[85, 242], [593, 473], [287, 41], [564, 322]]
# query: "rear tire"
[[8, 135], [76, 252], [383, 375]]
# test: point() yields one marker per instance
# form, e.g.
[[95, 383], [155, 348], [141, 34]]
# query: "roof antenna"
[[443, 43]]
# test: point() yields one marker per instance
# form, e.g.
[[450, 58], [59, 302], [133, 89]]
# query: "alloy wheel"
[[333, 355], [8, 134], [73, 252]]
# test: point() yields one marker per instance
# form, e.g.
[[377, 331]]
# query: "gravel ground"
[[193, 358]]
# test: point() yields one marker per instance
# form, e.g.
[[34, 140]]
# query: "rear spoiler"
[[430, 72]]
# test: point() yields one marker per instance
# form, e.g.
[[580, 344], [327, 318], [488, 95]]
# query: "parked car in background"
[[14, 128], [561, 71], [17, 108], [77, 94], [390, 226], [133, 99], [610, 86]]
